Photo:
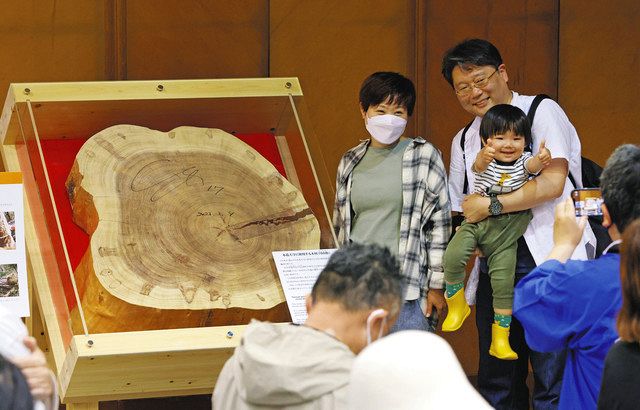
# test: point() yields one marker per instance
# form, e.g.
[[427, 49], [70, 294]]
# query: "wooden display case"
[[153, 363]]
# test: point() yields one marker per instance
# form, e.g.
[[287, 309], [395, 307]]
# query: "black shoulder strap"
[[534, 106], [591, 172], [465, 187], [532, 113]]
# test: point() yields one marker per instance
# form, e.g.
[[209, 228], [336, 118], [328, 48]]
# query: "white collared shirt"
[[552, 125]]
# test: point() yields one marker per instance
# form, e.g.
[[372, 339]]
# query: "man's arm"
[[567, 231], [547, 186], [546, 295]]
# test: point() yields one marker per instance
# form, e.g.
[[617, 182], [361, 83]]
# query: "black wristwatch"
[[495, 207]]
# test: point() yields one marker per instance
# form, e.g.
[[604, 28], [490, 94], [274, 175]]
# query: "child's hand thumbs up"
[[544, 155], [488, 152]]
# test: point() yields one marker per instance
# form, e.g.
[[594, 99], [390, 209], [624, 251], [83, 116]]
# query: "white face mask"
[[386, 128], [370, 319]]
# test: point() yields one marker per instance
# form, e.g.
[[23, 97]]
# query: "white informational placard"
[[298, 271], [14, 291]]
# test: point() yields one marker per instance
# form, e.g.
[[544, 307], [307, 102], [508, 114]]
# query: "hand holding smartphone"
[[587, 201]]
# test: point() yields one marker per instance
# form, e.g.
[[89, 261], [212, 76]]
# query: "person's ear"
[[308, 302], [607, 222], [502, 71], [376, 320], [363, 112], [606, 218]]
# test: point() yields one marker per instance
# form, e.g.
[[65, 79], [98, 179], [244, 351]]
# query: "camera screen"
[[587, 202]]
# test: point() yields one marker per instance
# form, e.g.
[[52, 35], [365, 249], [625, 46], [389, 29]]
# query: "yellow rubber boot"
[[500, 346], [458, 312]]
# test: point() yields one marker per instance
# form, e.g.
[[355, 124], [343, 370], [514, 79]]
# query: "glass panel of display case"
[[167, 210]]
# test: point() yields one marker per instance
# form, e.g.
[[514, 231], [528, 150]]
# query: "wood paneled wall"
[[599, 73], [197, 39], [332, 46], [49, 40], [130, 40]]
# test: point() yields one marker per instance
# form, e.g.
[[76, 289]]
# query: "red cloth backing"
[[59, 155]]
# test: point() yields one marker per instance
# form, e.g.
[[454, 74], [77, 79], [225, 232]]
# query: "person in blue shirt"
[[621, 374], [571, 304]]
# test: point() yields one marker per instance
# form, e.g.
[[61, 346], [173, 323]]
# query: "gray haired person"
[[355, 300]]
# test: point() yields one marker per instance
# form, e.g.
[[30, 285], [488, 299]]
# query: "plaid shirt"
[[425, 223]]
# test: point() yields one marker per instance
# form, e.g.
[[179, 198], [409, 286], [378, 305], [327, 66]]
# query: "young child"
[[392, 191], [501, 166]]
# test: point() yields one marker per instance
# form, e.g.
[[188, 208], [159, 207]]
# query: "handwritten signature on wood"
[[160, 186]]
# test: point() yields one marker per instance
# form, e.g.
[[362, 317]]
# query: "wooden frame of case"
[[113, 366]]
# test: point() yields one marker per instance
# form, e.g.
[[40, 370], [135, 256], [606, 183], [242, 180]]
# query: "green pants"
[[497, 237]]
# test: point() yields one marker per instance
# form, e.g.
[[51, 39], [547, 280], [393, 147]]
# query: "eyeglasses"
[[479, 83]]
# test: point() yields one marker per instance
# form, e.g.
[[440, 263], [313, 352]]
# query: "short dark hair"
[[14, 389], [470, 52], [385, 85], [361, 277], [620, 184], [629, 316], [505, 117]]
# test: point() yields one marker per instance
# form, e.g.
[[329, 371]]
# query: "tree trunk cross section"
[[182, 220]]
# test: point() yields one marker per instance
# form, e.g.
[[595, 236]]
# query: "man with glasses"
[[475, 70]]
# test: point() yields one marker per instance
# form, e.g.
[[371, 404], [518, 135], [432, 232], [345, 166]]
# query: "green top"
[[376, 196]]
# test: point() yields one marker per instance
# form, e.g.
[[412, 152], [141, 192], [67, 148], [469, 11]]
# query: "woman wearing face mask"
[[392, 191]]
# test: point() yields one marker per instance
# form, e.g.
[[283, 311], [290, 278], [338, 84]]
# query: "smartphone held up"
[[587, 201]]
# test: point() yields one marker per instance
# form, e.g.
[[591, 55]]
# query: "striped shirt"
[[425, 222], [504, 178]]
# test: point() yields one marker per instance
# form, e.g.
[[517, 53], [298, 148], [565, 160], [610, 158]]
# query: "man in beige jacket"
[[355, 300]]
